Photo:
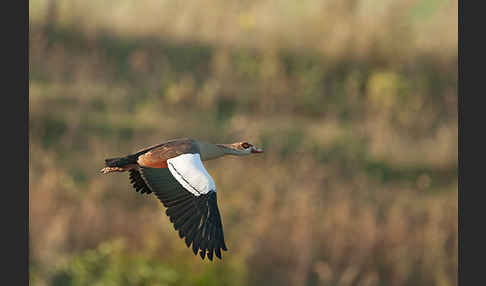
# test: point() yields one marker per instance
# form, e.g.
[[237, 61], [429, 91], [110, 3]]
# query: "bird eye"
[[245, 145]]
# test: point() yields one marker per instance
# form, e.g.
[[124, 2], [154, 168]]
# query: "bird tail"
[[117, 164], [120, 161]]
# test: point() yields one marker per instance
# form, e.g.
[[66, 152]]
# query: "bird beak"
[[256, 150]]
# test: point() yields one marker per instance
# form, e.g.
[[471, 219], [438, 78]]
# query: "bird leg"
[[107, 170]]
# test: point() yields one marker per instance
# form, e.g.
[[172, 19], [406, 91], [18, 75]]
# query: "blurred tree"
[[51, 15]]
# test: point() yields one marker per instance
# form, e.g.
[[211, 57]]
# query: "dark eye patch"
[[245, 145]]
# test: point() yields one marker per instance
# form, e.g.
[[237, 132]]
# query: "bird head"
[[241, 148]]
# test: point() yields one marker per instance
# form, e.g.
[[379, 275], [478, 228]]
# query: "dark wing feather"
[[196, 218], [138, 183]]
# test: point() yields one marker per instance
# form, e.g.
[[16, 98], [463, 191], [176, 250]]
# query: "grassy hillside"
[[354, 102]]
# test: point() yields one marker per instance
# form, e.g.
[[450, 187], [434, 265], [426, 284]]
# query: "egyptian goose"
[[174, 172]]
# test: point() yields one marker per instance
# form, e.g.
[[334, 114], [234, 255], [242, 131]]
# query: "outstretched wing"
[[188, 192]]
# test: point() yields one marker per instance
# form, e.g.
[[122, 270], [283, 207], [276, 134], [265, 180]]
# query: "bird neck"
[[210, 151]]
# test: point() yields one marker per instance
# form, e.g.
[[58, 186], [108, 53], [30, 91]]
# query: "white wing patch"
[[189, 171]]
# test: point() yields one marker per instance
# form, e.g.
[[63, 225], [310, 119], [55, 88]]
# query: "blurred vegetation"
[[355, 103]]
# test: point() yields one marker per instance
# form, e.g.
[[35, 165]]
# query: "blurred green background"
[[355, 103]]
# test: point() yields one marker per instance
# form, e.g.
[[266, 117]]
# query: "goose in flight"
[[174, 172]]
